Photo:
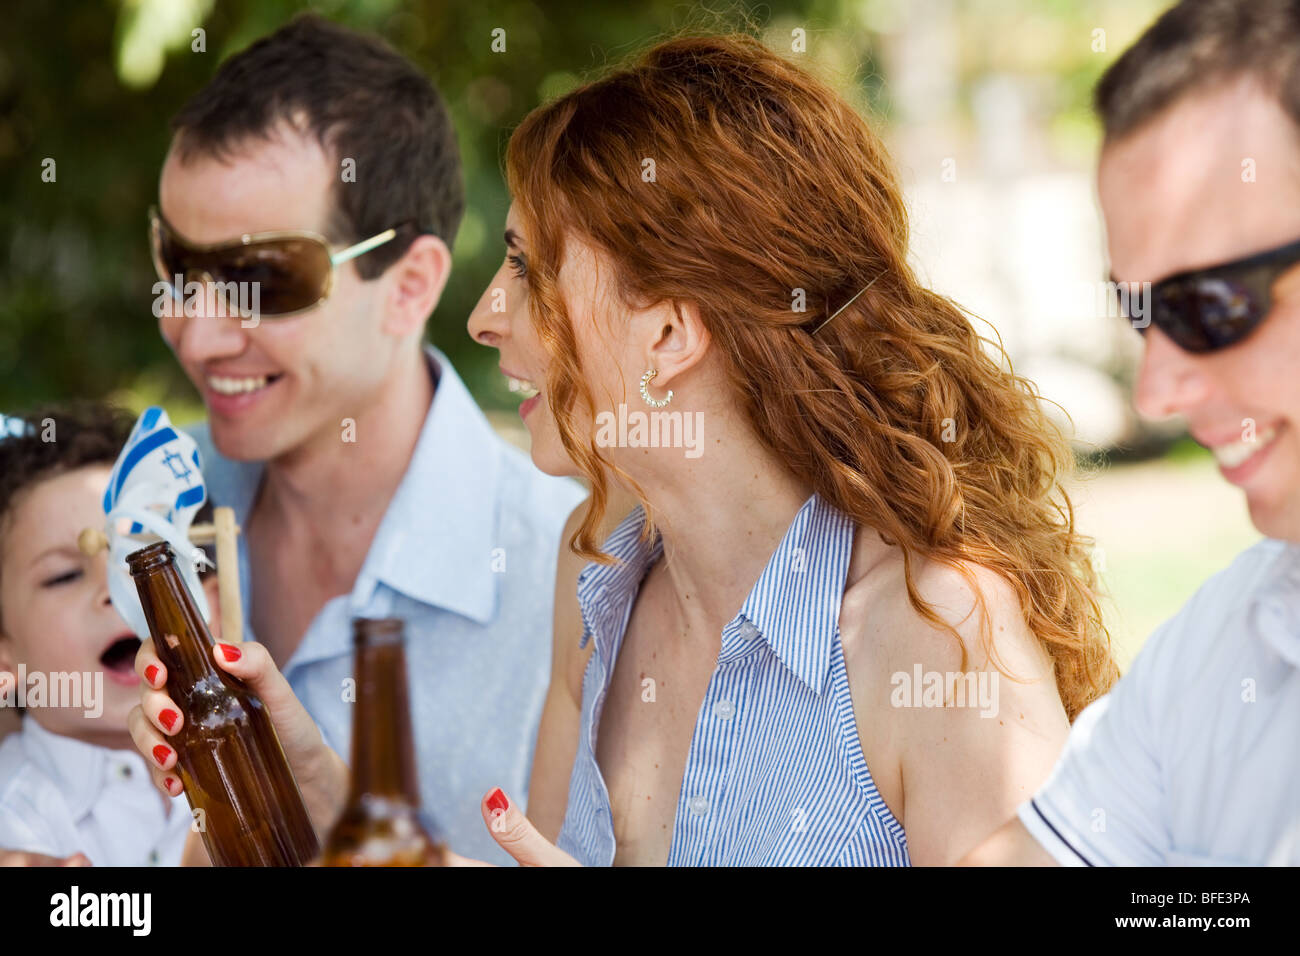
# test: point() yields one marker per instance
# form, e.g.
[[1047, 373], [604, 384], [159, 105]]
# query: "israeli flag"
[[157, 487]]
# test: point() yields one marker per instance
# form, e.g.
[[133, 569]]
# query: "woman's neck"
[[721, 516]]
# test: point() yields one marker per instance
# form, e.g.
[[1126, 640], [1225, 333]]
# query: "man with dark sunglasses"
[[1193, 757], [320, 169]]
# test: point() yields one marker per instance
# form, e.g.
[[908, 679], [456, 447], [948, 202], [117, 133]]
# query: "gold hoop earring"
[[646, 379]]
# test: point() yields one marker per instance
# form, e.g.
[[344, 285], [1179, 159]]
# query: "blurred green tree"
[[86, 92], [87, 88]]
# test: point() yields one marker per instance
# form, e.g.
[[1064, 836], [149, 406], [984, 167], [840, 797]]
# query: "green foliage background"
[[93, 83]]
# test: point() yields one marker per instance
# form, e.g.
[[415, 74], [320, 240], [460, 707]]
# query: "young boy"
[[71, 783]]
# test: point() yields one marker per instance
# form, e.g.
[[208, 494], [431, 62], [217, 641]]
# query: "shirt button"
[[124, 771], [699, 805], [724, 710], [153, 857], [748, 631]]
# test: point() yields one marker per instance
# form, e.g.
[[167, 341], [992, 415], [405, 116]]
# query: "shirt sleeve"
[[1103, 803], [28, 802], [22, 830]]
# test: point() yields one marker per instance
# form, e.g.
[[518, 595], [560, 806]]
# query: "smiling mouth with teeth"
[[1237, 453], [225, 385], [522, 387]]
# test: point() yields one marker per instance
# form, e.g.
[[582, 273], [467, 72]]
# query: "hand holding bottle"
[[321, 774]]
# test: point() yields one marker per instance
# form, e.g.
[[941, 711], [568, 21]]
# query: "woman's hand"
[[22, 858], [321, 774], [516, 836]]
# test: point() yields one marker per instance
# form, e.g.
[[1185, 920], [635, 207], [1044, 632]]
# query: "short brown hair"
[[1197, 44], [360, 99], [85, 433]]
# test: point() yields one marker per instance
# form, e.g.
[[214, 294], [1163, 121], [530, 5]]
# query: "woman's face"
[[609, 362]]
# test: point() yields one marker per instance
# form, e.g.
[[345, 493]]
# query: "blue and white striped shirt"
[[775, 775]]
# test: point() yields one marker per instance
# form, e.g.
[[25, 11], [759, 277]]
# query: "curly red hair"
[[897, 413]]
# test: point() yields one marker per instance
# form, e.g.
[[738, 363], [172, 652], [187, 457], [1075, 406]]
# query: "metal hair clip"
[[846, 305]]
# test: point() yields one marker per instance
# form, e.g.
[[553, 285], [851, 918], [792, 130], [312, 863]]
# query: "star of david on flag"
[[156, 487]]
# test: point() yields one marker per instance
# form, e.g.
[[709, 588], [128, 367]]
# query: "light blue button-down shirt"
[[466, 554], [775, 774]]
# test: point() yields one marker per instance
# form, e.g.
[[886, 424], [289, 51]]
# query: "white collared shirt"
[[1194, 757], [60, 795]]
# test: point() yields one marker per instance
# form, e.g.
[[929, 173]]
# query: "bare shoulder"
[[569, 659], [879, 620], [959, 728]]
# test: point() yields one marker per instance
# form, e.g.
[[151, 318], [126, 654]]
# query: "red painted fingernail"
[[497, 801], [168, 717], [161, 753], [151, 673], [231, 652], [168, 783]]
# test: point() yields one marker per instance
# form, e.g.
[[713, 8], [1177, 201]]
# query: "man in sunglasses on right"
[[1193, 757]]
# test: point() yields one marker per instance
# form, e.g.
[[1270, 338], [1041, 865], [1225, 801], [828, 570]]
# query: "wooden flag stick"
[[232, 606], [91, 541], [224, 532]]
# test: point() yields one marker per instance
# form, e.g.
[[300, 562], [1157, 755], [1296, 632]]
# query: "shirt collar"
[[75, 766], [1275, 610], [796, 603], [794, 606], [446, 498], [606, 590]]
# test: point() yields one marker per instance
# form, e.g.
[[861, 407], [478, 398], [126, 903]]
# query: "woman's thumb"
[[517, 836]]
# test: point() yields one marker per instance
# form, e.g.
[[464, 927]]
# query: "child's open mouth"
[[119, 660]]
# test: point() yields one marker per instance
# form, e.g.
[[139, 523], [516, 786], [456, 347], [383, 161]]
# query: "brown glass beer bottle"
[[246, 801], [382, 824]]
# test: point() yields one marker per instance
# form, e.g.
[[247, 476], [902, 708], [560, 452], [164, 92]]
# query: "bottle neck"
[[383, 753], [181, 638]]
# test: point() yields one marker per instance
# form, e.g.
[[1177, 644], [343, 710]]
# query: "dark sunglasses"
[[1203, 310], [294, 270]]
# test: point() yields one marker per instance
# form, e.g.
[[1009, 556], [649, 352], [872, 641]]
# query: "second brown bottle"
[[382, 824]]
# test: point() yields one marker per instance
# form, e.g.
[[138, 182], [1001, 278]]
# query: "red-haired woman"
[[852, 619]]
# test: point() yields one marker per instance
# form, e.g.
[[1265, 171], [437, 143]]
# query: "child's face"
[[54, 606]]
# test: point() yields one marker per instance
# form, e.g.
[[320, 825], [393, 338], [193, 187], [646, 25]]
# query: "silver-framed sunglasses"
[[293, 269]]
